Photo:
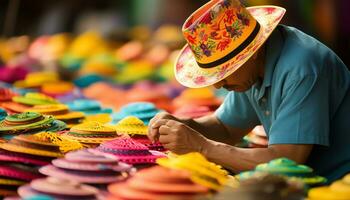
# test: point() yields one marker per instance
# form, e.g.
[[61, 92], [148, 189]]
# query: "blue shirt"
[[304, 98]]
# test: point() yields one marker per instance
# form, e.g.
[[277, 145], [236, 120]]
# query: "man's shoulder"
[[302, 54]]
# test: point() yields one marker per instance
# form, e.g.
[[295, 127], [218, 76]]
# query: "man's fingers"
[[153, 135], [159, 123], [164, 130]]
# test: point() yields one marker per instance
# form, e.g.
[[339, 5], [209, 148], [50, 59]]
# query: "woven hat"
[[264, 187], [221, 36], [60, 112], [10, 156], [13, 107], [92, 133], [6, 94], [34, 99], [129, 151], [286, 167], [25, 122], [145, 111], [339, 190], [58, 189], [203, 172], [88, 107], [88, 167], [3, 114], [30, 144], [137, 130], [57, 88], [18, 173], [157, 183], [65, 144], [36, 79]]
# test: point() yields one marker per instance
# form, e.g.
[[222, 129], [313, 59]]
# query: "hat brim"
[[38, 152], [188, 72]]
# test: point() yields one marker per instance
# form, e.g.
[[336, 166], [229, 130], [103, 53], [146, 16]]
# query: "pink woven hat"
[[9, 156], [58, 189], [18, 172], [130, 151], [87, 166], [157, 183]]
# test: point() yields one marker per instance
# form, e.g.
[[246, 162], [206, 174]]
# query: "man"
[[289, 82]]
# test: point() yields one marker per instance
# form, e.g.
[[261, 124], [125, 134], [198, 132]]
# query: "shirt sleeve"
[[303, 115], [236, 111]]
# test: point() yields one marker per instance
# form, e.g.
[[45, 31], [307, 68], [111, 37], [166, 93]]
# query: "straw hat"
[[221, 36]]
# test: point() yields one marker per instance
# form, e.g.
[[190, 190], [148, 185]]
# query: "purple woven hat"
[[88, 167], [130, 151], [58, 189]]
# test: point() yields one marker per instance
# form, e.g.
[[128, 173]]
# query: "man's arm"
[[240, 159]]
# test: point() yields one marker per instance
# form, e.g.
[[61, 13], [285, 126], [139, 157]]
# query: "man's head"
[[246, 76]]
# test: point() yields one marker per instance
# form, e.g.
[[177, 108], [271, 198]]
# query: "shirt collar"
[[274, 47]]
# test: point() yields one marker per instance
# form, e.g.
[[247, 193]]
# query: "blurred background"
[[327, 20]]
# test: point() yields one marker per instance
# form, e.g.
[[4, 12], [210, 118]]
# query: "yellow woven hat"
[[221, 36], [30, 144], [92, 133], [338, 190], [132, 126], [203, 172]]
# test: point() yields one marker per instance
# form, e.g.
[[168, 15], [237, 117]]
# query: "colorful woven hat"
[[57, 88], [25, 122], [221, 36], [13, 107], [92, 133], [30, 144], [129, 151], [37, 79], [10, 156], [264, 187], [60, 112], [6, 94], [338, 190], [18, 172], [88, 107], [137, 130], [34, 99], [192, 111], [286, 167], [3, 114], [142, 110], [87, 166], [65, 144], [157, 183], [203, 172], [198, 97], [58, 189]]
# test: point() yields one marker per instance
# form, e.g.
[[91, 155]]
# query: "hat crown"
[[218, 31]]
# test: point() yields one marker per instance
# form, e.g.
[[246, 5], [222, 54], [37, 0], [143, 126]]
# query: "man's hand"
[[156, 122]]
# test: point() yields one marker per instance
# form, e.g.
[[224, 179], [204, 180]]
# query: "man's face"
[[243, 78]]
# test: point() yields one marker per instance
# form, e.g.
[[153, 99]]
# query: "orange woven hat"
[[221, 36]]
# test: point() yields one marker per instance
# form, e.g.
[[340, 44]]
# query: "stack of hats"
[[192, 111], [338, 190], [57, 88], [145, 111], [202, 171], [6, 94], [88, 166], [157, 183], [129, 151], [60, 112], [263, 187], [257, 138], [137, 130], [37, 79], [53, 188], [286, 167], [28, 122], [91, 133], [32, 99], [88, 107], [197, 97], [6, 103], [21, 157]]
